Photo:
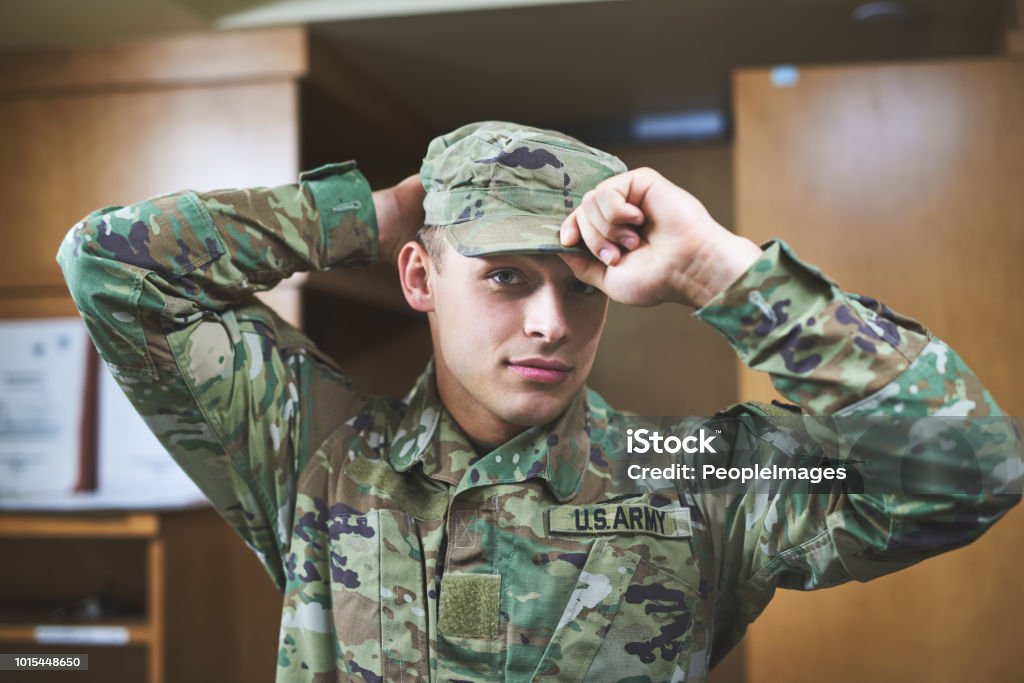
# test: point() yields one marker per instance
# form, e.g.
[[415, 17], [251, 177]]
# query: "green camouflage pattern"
[[503, 188], [404, 555]]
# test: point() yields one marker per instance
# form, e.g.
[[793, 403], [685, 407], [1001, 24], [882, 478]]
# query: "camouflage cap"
[[503, 188]]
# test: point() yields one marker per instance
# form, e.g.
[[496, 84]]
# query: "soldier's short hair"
[[433, 240]]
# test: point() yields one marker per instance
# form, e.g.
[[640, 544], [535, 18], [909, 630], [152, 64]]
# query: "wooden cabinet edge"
[[117, 525]]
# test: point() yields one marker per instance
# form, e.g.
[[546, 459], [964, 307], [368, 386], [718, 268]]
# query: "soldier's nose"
[[545, 315]]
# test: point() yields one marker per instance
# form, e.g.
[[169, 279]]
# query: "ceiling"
[[582, 66]]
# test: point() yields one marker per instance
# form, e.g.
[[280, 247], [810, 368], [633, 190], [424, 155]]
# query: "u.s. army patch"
[[619, 518]]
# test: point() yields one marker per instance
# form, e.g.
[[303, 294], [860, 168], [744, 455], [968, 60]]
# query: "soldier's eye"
[[506, 277]]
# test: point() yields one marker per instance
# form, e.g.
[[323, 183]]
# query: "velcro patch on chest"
[[620, 518], [469, 605]]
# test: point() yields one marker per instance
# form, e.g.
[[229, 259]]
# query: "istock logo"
[[647, 441]]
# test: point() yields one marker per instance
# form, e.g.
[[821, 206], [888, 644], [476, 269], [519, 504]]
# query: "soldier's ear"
[[415, 273]]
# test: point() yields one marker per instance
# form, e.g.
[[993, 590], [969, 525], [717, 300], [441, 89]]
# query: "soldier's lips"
[[544, 370]]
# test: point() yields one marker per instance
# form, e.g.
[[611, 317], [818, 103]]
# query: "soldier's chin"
[[533, 411]]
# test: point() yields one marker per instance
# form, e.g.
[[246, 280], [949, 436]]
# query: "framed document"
[[45, 407]]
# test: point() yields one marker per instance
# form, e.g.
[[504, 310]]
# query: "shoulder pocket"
[[113, 315]]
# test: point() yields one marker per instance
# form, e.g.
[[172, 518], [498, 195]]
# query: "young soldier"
[[439, 536]]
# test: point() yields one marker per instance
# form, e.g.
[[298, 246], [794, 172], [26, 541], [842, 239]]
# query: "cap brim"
[[487, 236]]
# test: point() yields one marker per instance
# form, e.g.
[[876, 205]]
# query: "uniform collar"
[[557, 453]]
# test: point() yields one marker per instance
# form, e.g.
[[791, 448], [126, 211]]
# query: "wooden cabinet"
[[902, 182], [173, 585]]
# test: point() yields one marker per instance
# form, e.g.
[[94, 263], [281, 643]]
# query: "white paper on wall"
[[42, 380]]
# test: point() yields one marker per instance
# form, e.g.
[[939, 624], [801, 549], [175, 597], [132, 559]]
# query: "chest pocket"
[[379, 595], [633, 611]]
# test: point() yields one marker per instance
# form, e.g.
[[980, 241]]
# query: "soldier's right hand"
[[653, 242], [399, 215]]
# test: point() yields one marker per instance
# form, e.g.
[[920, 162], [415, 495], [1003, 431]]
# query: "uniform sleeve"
[[853, 360], [237, 396]]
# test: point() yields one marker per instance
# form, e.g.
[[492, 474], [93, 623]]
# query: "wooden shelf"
[[78, 525], [175, 617], [139, 633]]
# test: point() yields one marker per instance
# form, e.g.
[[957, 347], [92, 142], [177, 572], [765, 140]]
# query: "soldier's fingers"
[[592, 214], [569, 234], [614, 207], [627, 236], [633, 185], [596, 242], [585, 269], [609, 213]]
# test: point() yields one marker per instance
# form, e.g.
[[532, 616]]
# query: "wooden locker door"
[[904, 182], [77, 152]]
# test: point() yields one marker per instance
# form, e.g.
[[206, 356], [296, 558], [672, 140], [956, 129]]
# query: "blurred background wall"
[[882, 140]]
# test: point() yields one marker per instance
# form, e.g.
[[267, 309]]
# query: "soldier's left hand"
[[399, 210], [654, 243]]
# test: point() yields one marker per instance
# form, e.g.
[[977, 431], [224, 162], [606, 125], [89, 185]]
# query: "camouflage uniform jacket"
[[403, 555]]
